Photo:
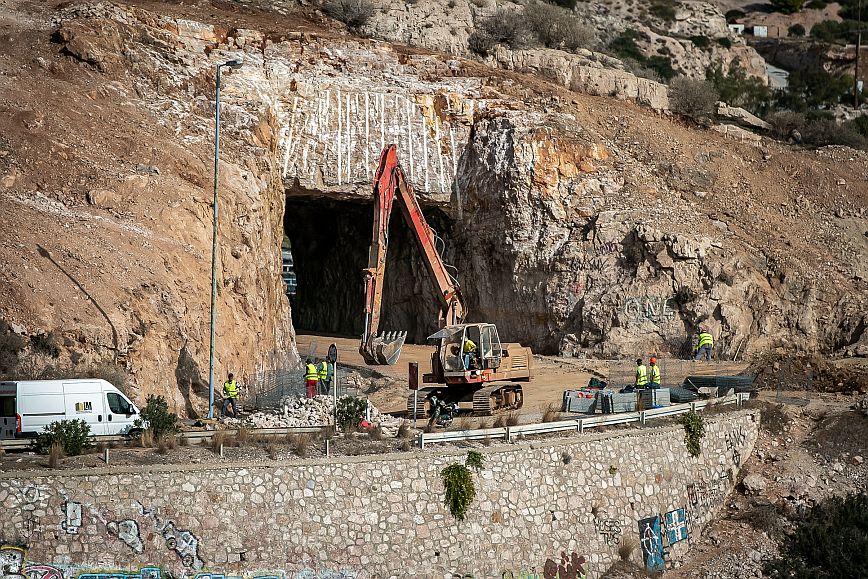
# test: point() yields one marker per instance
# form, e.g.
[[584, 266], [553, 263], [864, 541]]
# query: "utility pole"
[[858, 49]]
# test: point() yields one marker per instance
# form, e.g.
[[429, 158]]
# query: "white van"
[[26, 407]]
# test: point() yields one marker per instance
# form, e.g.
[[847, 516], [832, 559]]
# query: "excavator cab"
[[468, 348]]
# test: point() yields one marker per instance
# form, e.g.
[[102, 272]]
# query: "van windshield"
[[118, 404]]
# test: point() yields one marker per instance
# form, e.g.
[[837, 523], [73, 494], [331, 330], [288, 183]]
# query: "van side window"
[[7, 406], [117, 404]]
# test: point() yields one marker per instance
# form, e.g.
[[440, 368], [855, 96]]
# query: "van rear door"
[[8, 418], [84, 401]]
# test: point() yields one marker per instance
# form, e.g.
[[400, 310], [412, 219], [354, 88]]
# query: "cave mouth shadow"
[[329, 242]]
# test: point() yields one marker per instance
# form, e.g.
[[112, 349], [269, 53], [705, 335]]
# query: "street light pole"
[[858, 49], [234, 63]]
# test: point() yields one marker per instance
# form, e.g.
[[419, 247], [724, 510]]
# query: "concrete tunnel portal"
[[329, 241]]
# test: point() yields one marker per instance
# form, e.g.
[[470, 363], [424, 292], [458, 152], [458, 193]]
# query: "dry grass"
[[512, 419], [301, 444], [243, 438], [404, 429], [376, 432], [272, 449], [465, 422], [485, 424], [55, 453], [551, 414], [628, 545], [405, 445], [183, 441], [166, 443], [146, 439], [500, 421], [2, 452], [429, 426], [219, 439]]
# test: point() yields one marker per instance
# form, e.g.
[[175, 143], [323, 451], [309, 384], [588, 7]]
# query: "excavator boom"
[[390, 184]]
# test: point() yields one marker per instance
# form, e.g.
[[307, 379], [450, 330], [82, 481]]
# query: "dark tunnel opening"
[[330, 241]]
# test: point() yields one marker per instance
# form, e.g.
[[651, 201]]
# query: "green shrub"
[[831, 541], [72, 435], [663, 10], [557, 28], [160, 422], [812, 90], [824, 132], [692, 97], [816, 5], [624, 46], [844, 32], [353, 13], [45, 344], [480, 43], [700, 41], [784, 123], [694, 431], [509, 27], [460, 489], [474, 460], [738, 89], [796, 30], [733, 15], [787, 6], [568, 4], [350, 411], [724, 42]]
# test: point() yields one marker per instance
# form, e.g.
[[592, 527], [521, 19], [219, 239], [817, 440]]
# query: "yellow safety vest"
[[705, 339], [323, 370], [230, 389], [641, 375], [655, 374], [310, 372], [469, 346]]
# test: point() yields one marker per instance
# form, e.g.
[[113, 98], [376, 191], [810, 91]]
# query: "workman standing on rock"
[[705, 345], [230, 395], [655, 372], [324, 373], [311, 376], [641, 374]]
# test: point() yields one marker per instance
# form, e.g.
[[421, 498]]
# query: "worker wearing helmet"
[[654, 370], [705, 345], [641, 374]]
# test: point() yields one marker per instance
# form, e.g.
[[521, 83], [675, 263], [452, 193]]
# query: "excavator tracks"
[[491, 399]]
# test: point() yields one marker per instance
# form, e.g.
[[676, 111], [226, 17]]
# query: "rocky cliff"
[[577, 223]]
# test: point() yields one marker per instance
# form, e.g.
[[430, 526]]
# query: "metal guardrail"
[[510, 433], [192, 436]]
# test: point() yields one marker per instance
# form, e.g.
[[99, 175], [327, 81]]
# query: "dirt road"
[[552, 374]]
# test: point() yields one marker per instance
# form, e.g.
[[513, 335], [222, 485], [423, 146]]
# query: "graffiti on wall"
[[128, 532], [13, 565], [570, 567], [705, 495], [651, 542], [610, 529], [735, 440], [653, 308], [72, 517], [183, 542], [676, 526]]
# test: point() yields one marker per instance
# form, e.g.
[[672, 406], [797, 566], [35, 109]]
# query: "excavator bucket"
[[383, 350]]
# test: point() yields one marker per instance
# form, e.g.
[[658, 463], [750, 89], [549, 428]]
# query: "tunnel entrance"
[[330, 241]]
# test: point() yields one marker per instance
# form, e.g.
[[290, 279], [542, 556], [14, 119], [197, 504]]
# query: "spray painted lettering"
[[653, 308], [734, 442], [184, 543], [610, 529], [72, 520], [570, 567]]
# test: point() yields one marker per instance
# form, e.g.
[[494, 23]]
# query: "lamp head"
[[234, 63]]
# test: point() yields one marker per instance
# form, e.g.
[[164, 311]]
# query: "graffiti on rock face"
[[610, 529], [72, 517], [676, 526], [570, 567], [653, 308], [652, 543], [11, 561], [184, 543]]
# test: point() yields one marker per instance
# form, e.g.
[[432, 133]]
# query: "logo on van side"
[[83, 407]]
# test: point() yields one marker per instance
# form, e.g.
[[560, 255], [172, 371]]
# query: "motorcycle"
[[442, 413]]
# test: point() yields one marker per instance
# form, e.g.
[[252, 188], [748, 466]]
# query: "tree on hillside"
[[787, 6]]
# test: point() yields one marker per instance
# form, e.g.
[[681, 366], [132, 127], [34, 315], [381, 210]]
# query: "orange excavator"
[[470, 364]]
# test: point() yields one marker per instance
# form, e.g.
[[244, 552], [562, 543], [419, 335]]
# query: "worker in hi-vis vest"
[[230, 395], [654, 370], [311, 375], [324, 373], [705, 345], [641, 374]]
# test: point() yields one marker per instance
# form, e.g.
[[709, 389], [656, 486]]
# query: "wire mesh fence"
[[269, 387], [673, 371]]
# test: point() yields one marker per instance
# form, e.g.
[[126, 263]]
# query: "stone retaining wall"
[[539, 505]]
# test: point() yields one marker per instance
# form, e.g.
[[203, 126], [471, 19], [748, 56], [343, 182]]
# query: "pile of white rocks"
[[388, 424], [291, 412]]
